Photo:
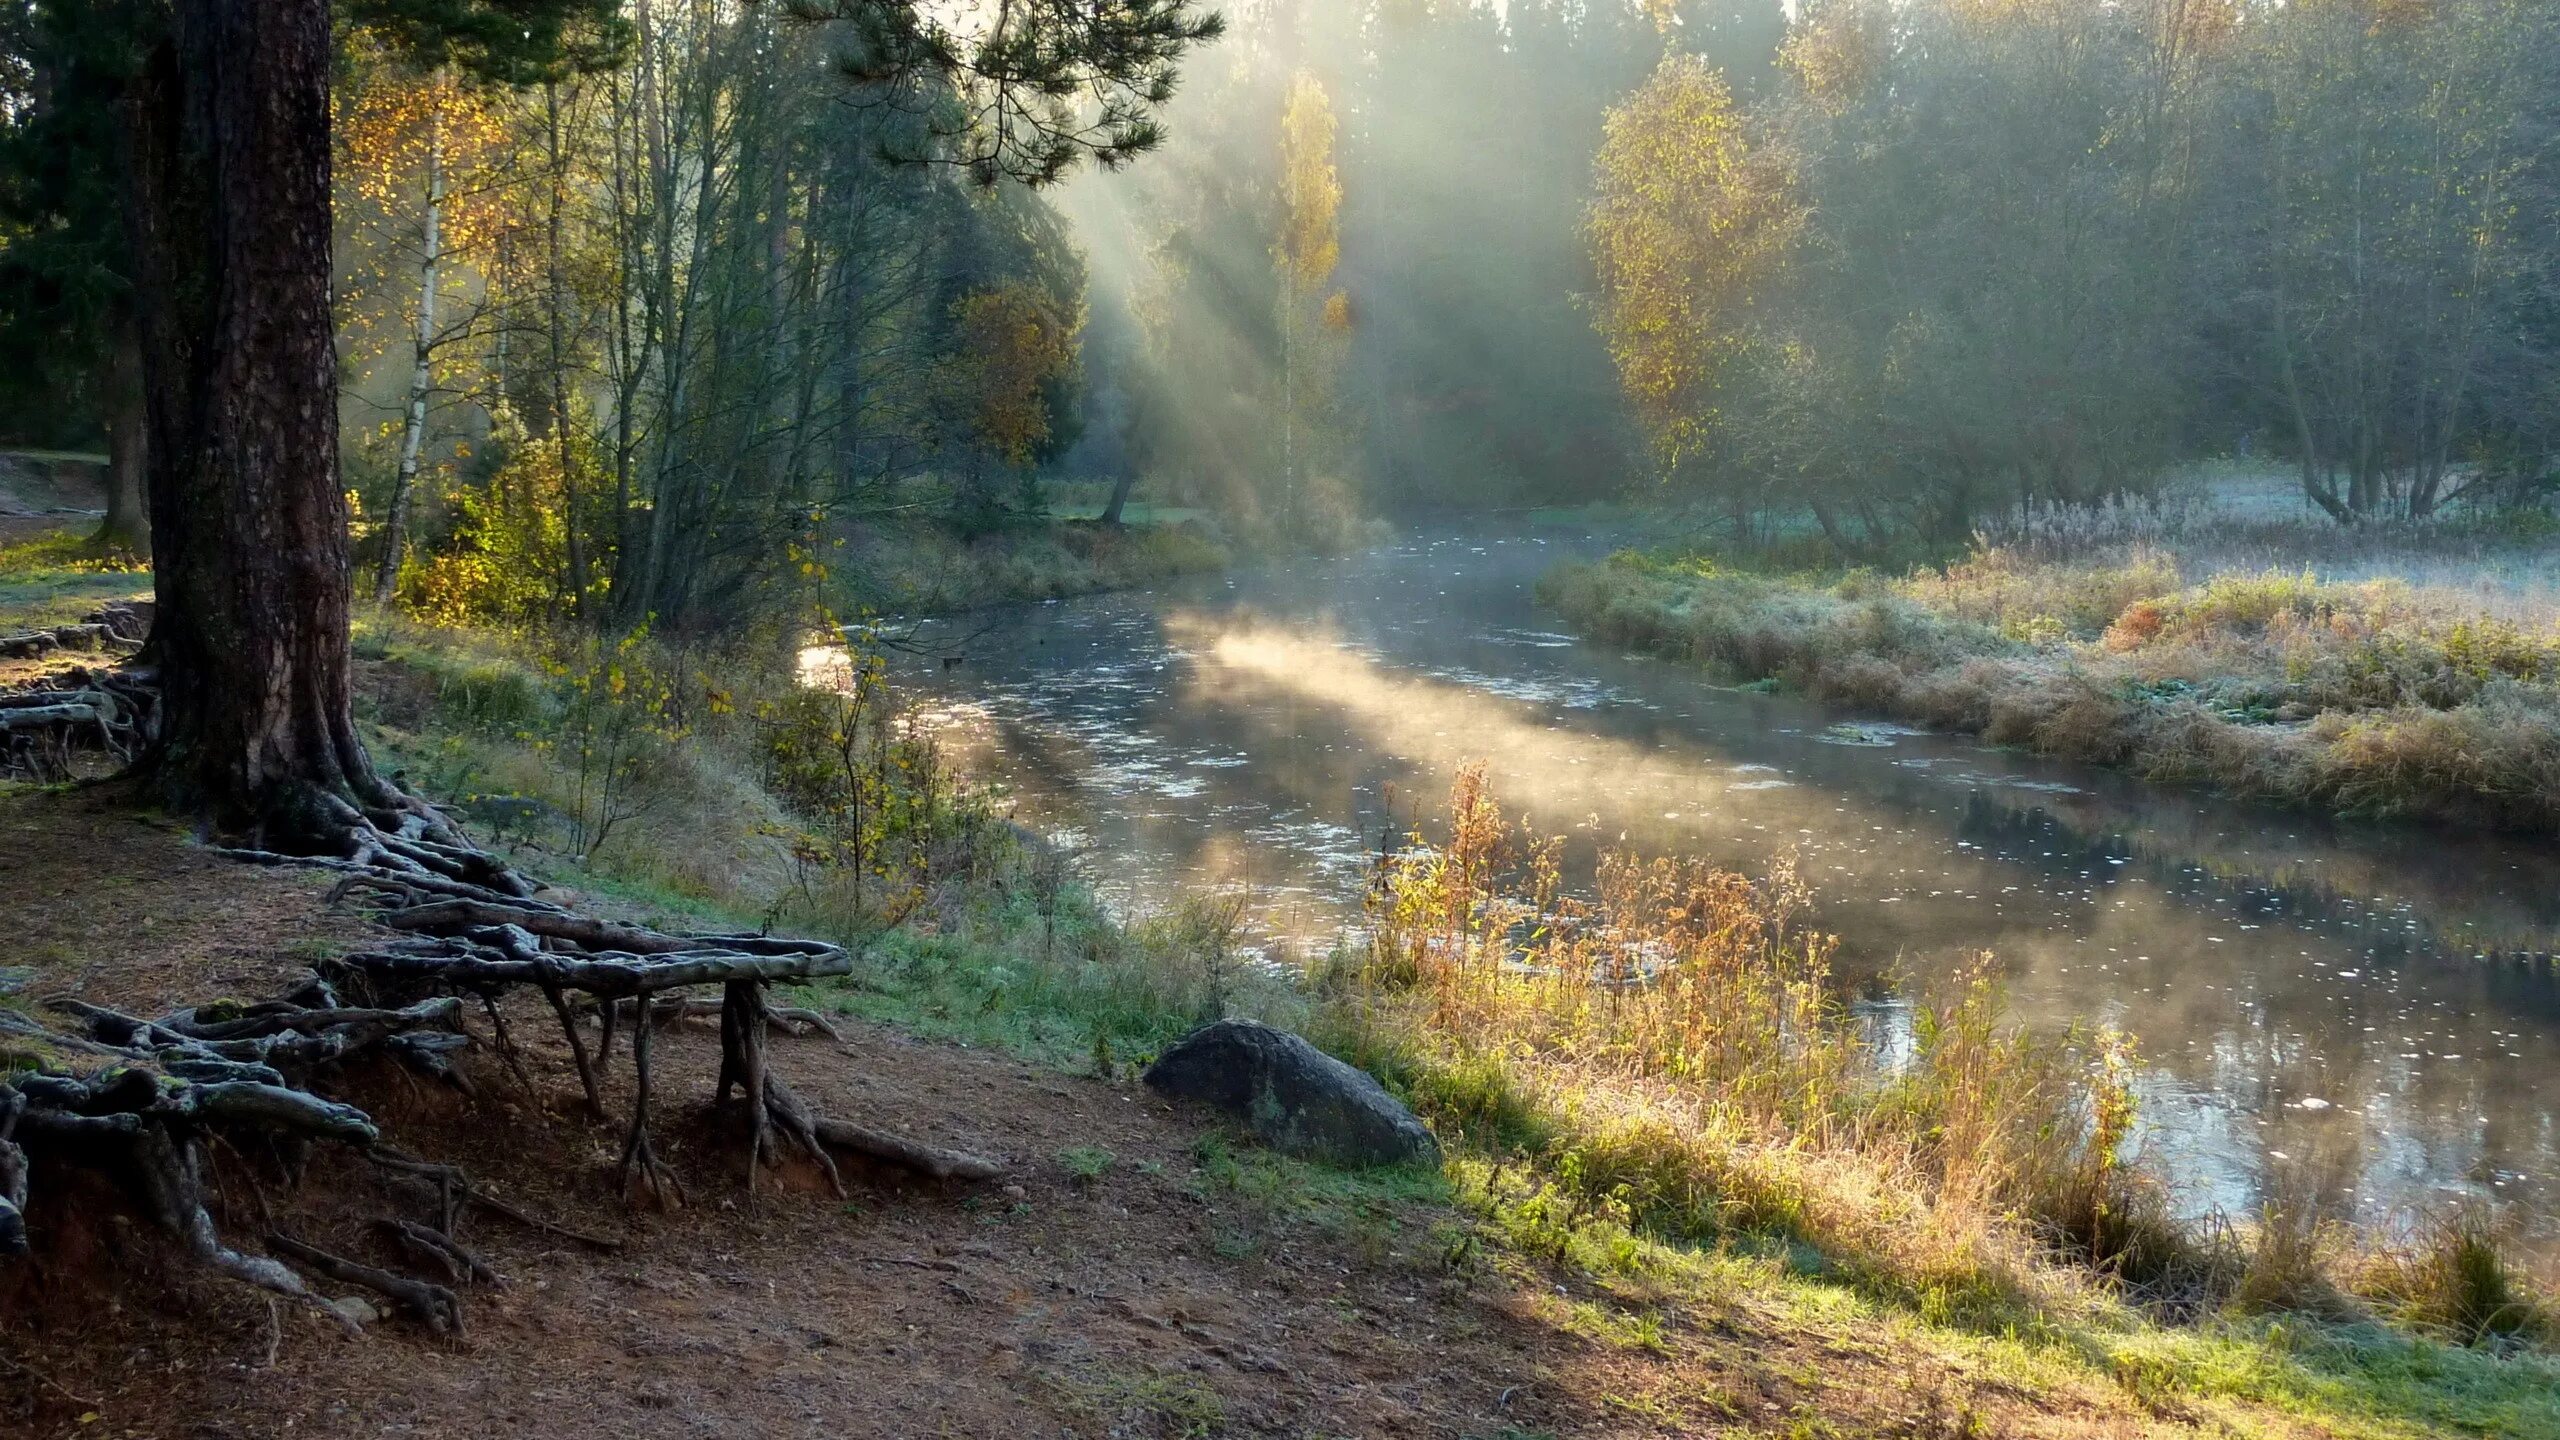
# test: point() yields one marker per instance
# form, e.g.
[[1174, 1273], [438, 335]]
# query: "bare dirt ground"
[[910, 1309], [1146, 1300], [107, 900]]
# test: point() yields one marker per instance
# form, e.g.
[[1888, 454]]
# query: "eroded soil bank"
[[1139, 1273]]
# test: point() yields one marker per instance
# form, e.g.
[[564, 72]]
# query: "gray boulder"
[[1294, 1096]]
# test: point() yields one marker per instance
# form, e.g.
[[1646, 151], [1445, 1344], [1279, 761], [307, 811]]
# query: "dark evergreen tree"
[[228, 114], [66, 313]]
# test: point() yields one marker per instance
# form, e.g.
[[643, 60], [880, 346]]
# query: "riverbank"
[[1937, 1209], [1143, 1274], [1599, 1251], [2362, 695]]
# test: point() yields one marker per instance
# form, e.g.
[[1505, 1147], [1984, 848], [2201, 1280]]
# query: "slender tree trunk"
[[1120, 489], [1289, 409], [413, 432], [629, 356], [1829, 519], [2317, 486], [127, 529], [556, 294], [638, 562], [850, 300], [230, 216], [677, 509]]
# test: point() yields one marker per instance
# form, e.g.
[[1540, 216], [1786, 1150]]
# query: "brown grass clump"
[[1668, 1052], [2288, 1263], [2456, 1277], [2027, 600], [2137, 625], [2289, 1260]]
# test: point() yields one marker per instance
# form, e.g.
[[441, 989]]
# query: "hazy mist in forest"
[[1459, 367]]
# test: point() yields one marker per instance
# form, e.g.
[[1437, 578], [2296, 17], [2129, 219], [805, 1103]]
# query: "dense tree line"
[[669, 248], [719, 306], [640, 303], [1960, 256], [637, 309]]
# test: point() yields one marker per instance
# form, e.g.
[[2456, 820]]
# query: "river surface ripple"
[[2371, 1007]]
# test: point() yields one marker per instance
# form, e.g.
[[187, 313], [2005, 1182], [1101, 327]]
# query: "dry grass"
[[2230, 520], [2370, 696], [1654, 1091], [698, 772], [2456, 1277], [1672, 1057], [1667, 1061], [746, 795], [1673, 1053]]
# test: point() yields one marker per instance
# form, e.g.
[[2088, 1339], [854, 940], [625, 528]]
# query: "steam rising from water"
[[1275, 733]]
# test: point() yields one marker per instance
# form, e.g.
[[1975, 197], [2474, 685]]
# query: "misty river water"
[[2372, 1006]]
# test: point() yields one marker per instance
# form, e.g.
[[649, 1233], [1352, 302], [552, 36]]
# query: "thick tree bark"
[[230, 215]]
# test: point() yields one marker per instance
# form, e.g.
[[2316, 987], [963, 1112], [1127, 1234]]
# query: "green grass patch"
[[1144, 1402], [58, 577]]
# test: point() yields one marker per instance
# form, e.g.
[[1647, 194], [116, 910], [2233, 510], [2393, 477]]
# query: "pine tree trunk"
[[127, 529], [230, 215]]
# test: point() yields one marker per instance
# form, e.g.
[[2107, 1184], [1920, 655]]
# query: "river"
[[2371, 1006]]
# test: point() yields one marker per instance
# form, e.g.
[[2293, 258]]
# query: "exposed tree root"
[[898, 1150], [665, 1010], [443, 1250], [431, 1304], [46, 731], [742, 1032], [577, 1048], [643, 1173], [786, 1111], [13, 1178], [112, 627], [454, 1190], [143, 1096], [172, 1171]]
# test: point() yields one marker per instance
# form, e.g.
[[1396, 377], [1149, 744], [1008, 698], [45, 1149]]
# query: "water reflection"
[[2374, 1005]]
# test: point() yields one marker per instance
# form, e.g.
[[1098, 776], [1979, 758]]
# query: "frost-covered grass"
[[2377, 670], [1658, 1086], [2224, 519]]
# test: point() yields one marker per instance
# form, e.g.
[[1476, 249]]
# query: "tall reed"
[[1678, 1036]]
